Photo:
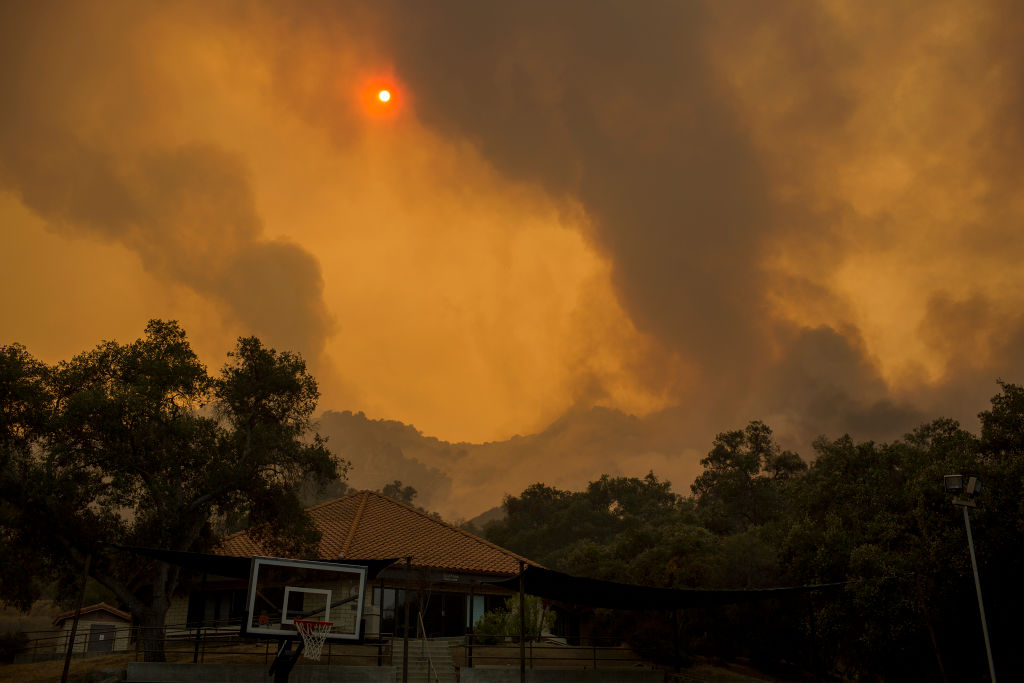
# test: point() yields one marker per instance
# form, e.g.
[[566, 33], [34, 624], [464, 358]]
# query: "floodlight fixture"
[[954, 483]]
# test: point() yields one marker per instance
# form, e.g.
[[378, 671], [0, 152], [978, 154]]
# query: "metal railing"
[[583, 653], [424, 652], [213, 642], [49, 645], [199, 643]]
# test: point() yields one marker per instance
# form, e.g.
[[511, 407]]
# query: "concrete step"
[[430, 661]]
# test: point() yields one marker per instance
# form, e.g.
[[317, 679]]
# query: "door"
[[101, 638]]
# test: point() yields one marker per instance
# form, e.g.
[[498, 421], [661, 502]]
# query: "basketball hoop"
[[313, 633]]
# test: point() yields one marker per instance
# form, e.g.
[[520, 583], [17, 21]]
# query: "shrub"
[[12, 643], [502, 624]]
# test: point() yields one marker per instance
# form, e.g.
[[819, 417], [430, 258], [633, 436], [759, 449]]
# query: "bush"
[[503, 624], [12, 643]]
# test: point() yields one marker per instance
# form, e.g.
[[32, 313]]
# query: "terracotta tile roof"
[[99, 607], [369, 526]]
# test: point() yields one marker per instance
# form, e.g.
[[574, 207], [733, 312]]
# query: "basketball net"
[[313, 633]]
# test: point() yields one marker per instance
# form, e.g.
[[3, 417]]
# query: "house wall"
[[371, 614], [221, 606], [446, 599], [177, 613], [446, 610], [121, 635]]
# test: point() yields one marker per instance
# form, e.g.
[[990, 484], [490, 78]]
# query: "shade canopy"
[[578, 590]]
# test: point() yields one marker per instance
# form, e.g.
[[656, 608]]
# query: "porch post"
[[675, 639], [469, 635], [202, 619]]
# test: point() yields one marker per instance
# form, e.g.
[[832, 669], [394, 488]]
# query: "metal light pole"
[[955, 484]]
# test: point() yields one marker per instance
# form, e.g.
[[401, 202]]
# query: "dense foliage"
[[12, 644], [137, 445], [504, 624], [874, 515]]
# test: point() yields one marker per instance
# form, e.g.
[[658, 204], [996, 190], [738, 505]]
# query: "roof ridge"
[[89, 609], [355, 524], [333, 500], [245, 532], [366, 506], [447, 525], [232, 535]]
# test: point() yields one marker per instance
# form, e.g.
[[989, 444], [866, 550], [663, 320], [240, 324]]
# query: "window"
[[215, 608]]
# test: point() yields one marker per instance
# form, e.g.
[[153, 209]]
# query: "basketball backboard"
[[282, 590]]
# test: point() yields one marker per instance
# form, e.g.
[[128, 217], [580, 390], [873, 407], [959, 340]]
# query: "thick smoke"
[[75, 103], [736, 159], [810, 212], [620, 109]]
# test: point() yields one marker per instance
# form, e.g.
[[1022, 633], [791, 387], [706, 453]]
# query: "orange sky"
[[805, 213]]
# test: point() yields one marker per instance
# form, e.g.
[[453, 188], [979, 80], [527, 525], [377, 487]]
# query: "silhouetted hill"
[[459, 480], [381, 451], [495, 514]]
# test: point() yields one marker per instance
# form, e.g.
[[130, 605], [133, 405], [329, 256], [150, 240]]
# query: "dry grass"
[[50, 672], [256, 654], [38, 619], [547, 654]]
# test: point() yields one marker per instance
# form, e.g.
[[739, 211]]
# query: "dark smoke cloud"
[[981, 339], [71, 75], [629, 109], [811, 210], [826, 384], [618, 108], [622, 108]]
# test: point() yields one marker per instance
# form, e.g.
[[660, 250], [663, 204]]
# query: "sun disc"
[[384, 95]]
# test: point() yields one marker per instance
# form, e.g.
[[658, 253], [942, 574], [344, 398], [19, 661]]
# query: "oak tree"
[[138, 445]]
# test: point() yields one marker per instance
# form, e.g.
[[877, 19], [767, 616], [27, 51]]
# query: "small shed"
[[101, 629]]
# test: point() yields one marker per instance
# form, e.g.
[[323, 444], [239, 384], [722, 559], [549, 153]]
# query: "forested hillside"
[[875, 515]]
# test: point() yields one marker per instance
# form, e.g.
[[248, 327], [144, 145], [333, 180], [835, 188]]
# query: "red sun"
[[381, 97]]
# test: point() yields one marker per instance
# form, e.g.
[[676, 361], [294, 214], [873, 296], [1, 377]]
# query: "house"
[[101, 629], [448, 580]]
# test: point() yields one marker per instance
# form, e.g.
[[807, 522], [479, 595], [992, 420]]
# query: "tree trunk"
[[149, 611], [151, 631]]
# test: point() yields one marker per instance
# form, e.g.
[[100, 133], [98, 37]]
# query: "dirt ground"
[[50, 672], [725, 673], [41, 619]]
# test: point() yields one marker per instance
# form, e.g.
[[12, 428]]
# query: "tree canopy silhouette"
[[872, 515], [137, 444]]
